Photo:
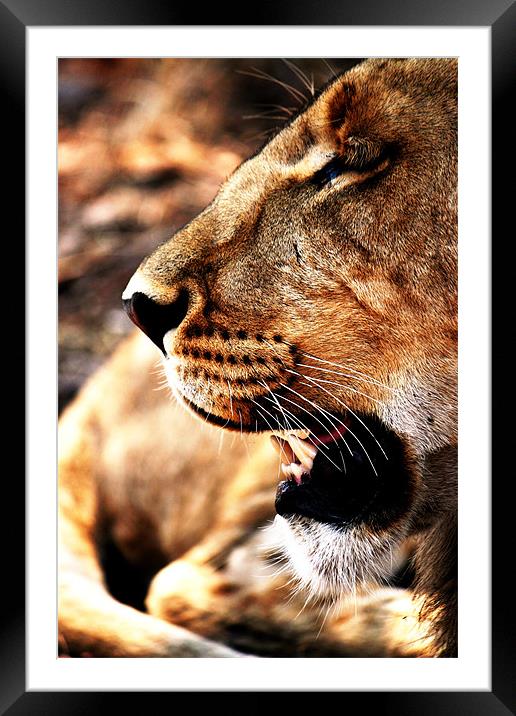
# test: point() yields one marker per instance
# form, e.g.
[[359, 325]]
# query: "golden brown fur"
[[359, 271]]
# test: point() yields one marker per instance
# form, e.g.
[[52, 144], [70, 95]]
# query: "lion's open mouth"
[[352, 471], [357, 473]]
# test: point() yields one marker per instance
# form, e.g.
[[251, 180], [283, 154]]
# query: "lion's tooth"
[[301, 434], [307, 447], [294, 470], [286, 471], [298, 472], [283, 448], [304, 452]]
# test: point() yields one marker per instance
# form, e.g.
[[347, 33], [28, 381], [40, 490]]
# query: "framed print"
[[139, 164]]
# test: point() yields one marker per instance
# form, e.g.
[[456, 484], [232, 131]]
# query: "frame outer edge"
[[265, 12], [503, 613], [12, 615], [12, 67]]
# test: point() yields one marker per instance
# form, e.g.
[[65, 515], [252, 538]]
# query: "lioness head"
[[315, 298]]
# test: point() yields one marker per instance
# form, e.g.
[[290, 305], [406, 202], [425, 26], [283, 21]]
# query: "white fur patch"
[[331, 562]]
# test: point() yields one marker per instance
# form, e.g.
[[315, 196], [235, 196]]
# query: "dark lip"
[[216, 420]]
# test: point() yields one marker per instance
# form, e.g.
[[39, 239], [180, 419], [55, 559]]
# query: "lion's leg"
[[197, 590], [91, 621], [250, 606]]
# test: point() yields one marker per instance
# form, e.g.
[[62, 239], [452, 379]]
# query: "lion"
[[313, 305]]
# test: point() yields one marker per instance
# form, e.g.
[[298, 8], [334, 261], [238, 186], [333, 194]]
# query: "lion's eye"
[[361, 156], [329, 172]]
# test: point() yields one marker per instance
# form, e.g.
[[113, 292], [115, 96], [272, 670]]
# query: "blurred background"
[[144, 145]]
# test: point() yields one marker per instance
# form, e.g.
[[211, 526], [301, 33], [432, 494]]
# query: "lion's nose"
[[156, 319]]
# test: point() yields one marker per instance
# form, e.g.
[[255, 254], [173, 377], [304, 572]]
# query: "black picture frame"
[[500, 15]]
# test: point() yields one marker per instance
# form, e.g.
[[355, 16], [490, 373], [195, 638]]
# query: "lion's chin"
[[341, 530], [332, 562]]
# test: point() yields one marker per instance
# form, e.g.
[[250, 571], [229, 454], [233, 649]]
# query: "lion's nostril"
[[156, 319]]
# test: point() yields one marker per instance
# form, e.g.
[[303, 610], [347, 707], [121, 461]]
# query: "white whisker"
[[299, 422], [346, 375], [332, 419], [351, 370], [348, 429], [302, 426], [317, 407], [230, 398], [221, 441], [351, 412], [301, 75], [320, 387], [261, 75], [274, 418], [340, 385], [334, 73]]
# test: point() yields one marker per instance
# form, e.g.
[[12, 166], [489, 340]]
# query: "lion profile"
[[314, 302]]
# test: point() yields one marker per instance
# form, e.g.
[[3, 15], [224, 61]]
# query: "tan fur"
[[361, 273]]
